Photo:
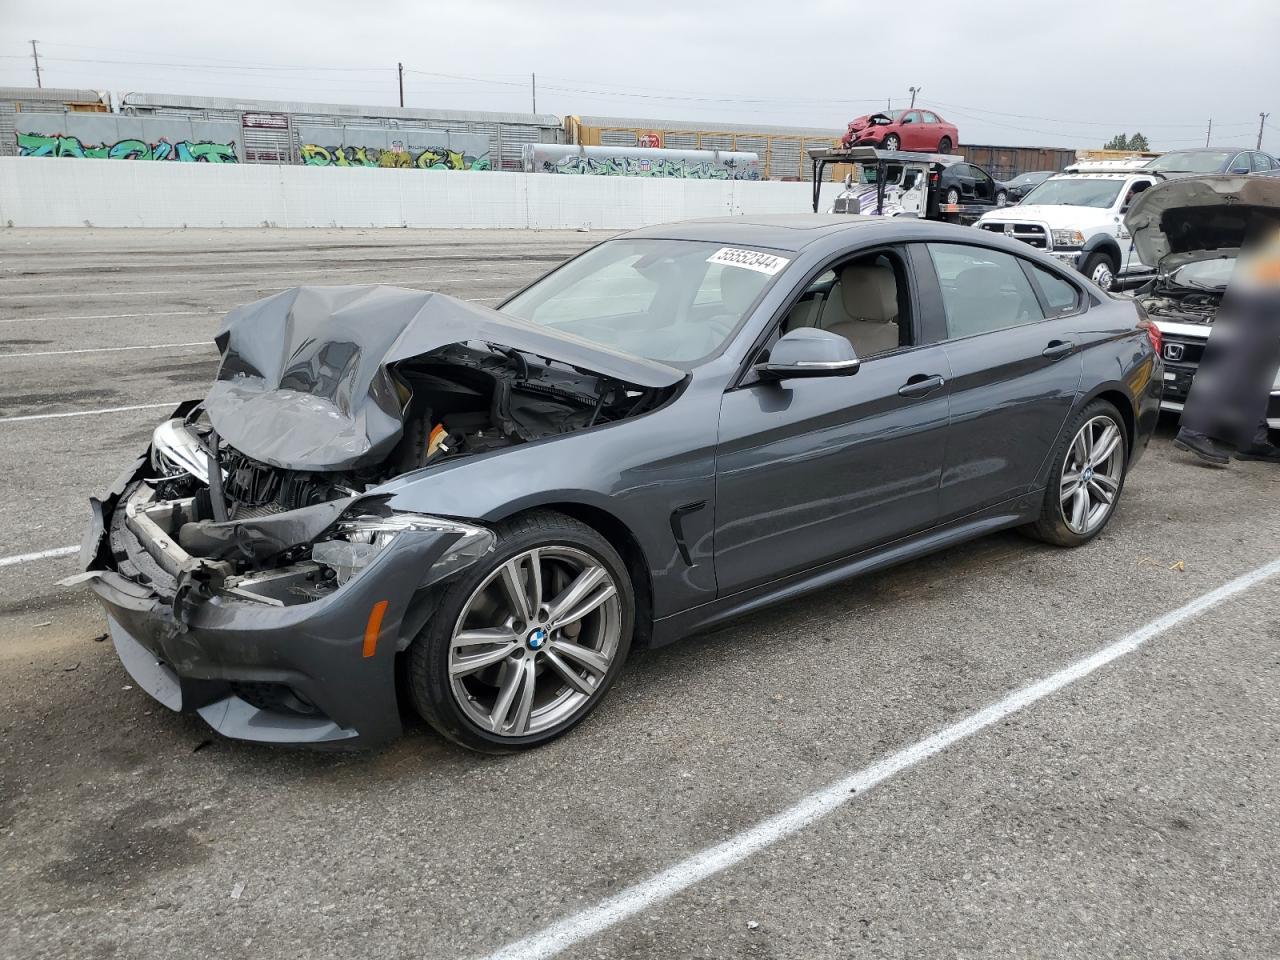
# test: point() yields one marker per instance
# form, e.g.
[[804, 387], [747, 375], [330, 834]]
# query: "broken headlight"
[[355, 541]]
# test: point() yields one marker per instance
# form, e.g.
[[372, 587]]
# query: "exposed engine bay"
[[1180, 305], [283, 536]]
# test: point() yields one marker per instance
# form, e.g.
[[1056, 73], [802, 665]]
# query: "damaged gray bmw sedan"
[[393, 495]]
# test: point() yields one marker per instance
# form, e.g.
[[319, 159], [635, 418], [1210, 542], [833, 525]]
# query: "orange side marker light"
[[372, 628]]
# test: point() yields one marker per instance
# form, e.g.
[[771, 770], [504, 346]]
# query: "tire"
[[892, 142], [953, 195], [1002, 198], [1100, 268], [462, 708], [944, 145], [1055, 525]]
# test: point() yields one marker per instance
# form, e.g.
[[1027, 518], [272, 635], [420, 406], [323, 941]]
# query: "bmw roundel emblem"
[[537, 638]]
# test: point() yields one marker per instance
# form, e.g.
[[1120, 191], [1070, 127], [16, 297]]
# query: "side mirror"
[[1240, 170], [809, 352]]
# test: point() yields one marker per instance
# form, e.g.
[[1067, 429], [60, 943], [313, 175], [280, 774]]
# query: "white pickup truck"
[[1078, 217]]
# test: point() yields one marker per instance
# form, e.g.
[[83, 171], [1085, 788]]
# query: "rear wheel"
[[524, 645], [893, 142], [1101, 269], [1087, 478], [953, 195], [1002, 198], [944, 145]]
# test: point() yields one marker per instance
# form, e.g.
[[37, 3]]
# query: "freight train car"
[[783, 151], [349, 135], [15, 100]]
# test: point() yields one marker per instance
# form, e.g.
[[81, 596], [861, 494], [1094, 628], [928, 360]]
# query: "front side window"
[[1076, 192], [677, 301], [912, 117], [982, 290]]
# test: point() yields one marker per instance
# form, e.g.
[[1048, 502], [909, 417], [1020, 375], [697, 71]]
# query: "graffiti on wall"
[[101, 136], [640, 162], [395, 156], [184, 151], [402, 149]]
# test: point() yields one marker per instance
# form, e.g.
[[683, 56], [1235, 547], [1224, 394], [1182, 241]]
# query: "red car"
[[921, 130]]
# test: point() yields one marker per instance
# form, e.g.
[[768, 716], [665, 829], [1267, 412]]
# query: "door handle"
[[1057, 349], [921, 385]]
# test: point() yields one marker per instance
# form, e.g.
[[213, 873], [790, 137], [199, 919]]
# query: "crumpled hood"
[[305, 382], [1199, 218]]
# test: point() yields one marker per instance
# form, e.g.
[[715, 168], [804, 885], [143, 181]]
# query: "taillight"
[[933, 179], [1153, 332]]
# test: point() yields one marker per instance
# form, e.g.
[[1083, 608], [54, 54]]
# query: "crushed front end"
[[281, 624]]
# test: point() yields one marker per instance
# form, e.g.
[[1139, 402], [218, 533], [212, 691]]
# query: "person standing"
[[1226, 410]]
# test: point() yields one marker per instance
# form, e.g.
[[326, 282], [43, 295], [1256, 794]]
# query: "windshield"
[[1205, 274], [1193, 161], [677, 301], [1076, 192]]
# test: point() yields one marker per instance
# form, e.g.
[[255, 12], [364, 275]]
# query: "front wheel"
[[523, 645], [1099, 268], [1087, 478], [1002, 198], [892, 142], [953, 195]]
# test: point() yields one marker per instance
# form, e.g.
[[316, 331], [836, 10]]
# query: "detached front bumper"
[[317, 672]]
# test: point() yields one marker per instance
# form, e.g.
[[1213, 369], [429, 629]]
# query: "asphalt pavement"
[[1134, 812]]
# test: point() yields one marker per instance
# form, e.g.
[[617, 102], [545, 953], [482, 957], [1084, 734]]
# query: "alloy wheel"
[[1091, 475], [535, 641]]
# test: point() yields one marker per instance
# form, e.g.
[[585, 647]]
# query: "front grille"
[[1192, 350], [1030, 233]]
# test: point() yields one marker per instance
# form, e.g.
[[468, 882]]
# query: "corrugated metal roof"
[[52, 94], [341, 109], [745, 127]]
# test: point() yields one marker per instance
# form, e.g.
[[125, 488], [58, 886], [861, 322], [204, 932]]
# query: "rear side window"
[[1261, 162], [1062, 297], [982, 290]]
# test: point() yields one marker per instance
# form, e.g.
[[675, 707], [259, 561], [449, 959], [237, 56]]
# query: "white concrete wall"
[[64, 192]]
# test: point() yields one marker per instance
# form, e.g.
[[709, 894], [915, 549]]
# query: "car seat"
[[863, 308]]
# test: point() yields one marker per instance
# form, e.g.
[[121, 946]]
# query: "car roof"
[[793, 231]]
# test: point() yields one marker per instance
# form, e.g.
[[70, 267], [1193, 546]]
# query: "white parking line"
[[248, 285], [63, 353], [119, 316], [267, 272], [39, 555], [662, 886], [89, 413]]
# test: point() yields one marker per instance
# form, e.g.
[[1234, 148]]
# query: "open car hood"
[[1199, 218], [305, 380]]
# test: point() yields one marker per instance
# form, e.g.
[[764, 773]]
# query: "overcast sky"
[[1063, 73]]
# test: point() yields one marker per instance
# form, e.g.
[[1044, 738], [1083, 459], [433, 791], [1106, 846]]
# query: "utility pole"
[[914, 91], [1262, 119], [400, 70], [35, 55], [1210, 133], [533, 79]]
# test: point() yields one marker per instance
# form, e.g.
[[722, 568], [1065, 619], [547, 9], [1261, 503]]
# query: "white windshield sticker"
[[749, 260]]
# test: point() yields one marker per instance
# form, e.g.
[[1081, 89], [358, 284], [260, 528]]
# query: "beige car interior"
[[861, 306]]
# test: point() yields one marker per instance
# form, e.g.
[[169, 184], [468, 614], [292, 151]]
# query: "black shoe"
[[1267, 452], [1206, 448]]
